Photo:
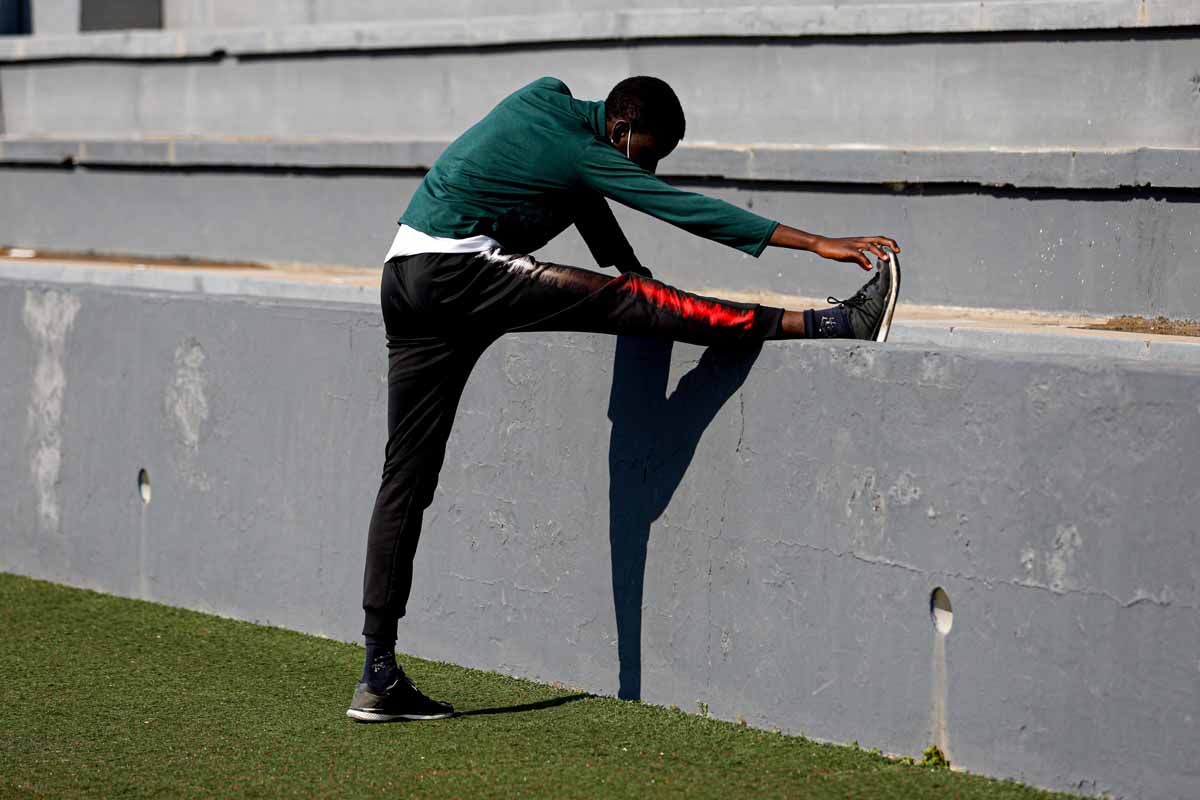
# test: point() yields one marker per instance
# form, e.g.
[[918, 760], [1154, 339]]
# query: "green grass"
[[117, 698]]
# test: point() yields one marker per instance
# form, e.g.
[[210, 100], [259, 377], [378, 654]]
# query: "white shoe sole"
[[885, 324], [375, 716]]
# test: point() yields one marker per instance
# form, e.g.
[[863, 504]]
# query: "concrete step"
[[894, 167], [1007, 190], [1091, 251], [951, 328], [642, 17], [927, 90], [772, 18]]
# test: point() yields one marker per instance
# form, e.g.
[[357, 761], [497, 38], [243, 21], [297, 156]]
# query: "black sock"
[[827, 323], [380, 669]]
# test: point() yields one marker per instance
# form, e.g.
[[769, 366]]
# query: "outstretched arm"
[[851, 249], [607, 172]]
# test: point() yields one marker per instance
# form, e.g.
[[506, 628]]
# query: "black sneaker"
[[401, 700], [870, 309]]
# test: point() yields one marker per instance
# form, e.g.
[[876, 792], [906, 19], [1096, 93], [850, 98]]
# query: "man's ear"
[[619, 128]]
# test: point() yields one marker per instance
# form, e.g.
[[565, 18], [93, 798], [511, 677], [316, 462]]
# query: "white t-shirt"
[[411, 242]]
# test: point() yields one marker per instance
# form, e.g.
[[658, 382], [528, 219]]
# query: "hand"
[[855, 248], [636, 269]]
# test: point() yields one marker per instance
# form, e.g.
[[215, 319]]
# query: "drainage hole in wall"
[[144, 485], [940, 611]]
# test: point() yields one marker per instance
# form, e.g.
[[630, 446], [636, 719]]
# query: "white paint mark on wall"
[[1060, 560], [905, 491], [186, 402], [187, 407], [858, 362], [48, 317], [937, 370], [1054, 567]]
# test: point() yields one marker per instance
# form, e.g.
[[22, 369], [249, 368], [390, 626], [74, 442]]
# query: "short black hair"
[[650, 104]]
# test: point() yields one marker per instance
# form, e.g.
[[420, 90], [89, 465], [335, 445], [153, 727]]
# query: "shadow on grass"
[[538, 706]]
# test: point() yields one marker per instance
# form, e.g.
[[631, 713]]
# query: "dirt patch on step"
[[1158, 325]]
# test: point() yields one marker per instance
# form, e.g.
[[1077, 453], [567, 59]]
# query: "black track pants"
[[441, 311]]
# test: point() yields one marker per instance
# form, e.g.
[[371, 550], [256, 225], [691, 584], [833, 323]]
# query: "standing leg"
[[429, 361], [428, 368], [425, 383]]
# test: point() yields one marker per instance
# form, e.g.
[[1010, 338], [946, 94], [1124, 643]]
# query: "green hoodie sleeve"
[[602, 169]]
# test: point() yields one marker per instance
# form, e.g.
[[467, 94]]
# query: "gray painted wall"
[[1116, 252], [1028, 14], [893, 167], [755, 531], [55, 17], [941, 92], [950, 118], [120, 15], [759, 532]]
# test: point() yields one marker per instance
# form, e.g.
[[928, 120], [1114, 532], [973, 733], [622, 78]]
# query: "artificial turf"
[[107, 697]]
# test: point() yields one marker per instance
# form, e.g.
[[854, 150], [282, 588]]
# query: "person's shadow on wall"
[[653, 440]]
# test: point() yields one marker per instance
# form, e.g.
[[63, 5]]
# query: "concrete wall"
[[940, 93], [757, 531], [66, 17], [116, 15], [1024, 14], [55, 17], [1048, 165], [1094, 251]]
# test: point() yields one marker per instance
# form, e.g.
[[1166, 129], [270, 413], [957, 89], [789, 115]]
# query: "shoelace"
[[424, 697], [859, 297], [407, 680]]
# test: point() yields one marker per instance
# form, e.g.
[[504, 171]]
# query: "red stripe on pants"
[[688, 306]]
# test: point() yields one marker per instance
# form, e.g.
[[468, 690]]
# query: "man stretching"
[[457, 278]]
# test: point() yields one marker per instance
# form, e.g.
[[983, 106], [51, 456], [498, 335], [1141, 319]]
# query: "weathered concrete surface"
[[953, 328], [201, 28], [997, 338], [120, 15], [1010, 190], [1119, 252], [758, 532], [239, 27], [1174, 168], [56, 17], [906, 92], [808, 16]]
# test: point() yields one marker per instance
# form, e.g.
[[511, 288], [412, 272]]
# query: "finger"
[[864, 246], [882, 243], [863, 261], [890, 242], [878, 251]]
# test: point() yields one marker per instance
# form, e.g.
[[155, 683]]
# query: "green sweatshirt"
[[540, 162]]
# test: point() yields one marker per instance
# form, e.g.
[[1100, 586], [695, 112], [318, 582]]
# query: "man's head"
[[644, 119]]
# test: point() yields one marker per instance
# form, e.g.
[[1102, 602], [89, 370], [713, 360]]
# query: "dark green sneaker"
[[870, 310], [401, 700]]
